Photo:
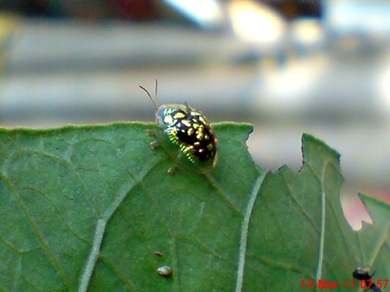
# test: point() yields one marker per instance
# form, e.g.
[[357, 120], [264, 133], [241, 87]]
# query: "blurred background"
[[287, 66]]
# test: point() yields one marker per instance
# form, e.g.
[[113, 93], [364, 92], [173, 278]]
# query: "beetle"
[[365, 274], [187, 129]]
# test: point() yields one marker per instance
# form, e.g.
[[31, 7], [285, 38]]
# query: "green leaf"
[[373, 240], [93, 207], [299, 233]]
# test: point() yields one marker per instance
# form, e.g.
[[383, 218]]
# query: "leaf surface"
[[93, 207]]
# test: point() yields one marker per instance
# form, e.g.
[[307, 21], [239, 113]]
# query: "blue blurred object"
[[366, 18]]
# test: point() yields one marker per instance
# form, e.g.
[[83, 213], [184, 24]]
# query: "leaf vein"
[[244, 231], [38, 233]]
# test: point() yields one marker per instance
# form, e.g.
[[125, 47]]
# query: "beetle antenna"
[[151, 98], [155, 89]]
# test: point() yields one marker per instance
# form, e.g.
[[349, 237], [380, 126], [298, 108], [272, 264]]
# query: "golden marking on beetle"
[[190, 131], [186, 123], [179, 115], [168, 119], [200, 136]]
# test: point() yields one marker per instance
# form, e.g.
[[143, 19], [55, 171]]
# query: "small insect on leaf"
[[365, 274], [158, 254], [165, 271], [185, 135]]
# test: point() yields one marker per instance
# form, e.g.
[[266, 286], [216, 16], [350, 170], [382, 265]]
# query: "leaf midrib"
[[101, 224], [244, 231]]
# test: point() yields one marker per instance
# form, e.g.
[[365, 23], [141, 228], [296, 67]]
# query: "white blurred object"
[[248, 20], [256, 23], [290, 89], [383, 89], [307, 33], [206, 13]]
